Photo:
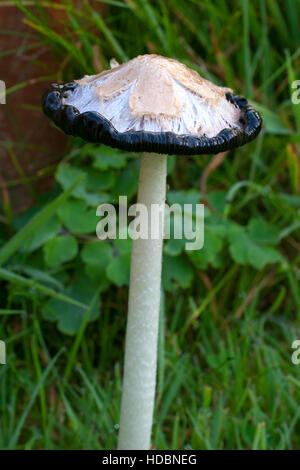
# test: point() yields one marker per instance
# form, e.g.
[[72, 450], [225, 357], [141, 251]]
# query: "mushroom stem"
[[143, 314]]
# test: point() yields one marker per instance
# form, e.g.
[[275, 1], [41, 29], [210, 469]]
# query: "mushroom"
[[160, 107]]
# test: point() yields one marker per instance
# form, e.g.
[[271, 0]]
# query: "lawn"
[[229, 312]]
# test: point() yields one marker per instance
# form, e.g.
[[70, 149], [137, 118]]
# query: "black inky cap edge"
[[92, 127]]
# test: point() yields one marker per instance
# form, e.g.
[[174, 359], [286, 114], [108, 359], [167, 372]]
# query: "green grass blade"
[[78, 339], [99, 22], [15, 278], [14, 439], [247, 53], [39, 219]]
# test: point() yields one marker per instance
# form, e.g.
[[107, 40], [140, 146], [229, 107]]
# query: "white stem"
[[143, 316]]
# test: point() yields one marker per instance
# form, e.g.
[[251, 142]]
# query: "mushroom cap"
[[152, 104]]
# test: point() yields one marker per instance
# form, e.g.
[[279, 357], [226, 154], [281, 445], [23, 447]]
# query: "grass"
[[228, 319]]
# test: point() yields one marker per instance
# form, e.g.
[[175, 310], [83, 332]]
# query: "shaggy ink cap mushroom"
[[153, 104], [156, 106]]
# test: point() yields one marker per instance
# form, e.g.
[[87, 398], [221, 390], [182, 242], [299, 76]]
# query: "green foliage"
[[110, 159], [43, 234], [60, 249], [70, 317], [96, 256], [245, 250], [176, 272], [230, 311], [76, 217], [118, 270]]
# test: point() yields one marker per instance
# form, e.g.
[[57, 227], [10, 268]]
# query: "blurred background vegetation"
[[229, 313]]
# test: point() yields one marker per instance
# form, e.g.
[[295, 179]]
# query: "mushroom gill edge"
[[92, 127]]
